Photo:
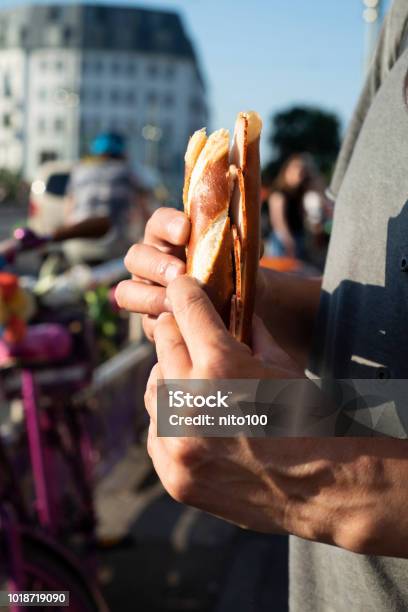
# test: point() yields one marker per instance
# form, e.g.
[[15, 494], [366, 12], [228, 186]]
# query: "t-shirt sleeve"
[[84, 191]]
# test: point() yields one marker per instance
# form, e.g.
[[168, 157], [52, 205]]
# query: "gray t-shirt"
[[362, 329], [100, 189]]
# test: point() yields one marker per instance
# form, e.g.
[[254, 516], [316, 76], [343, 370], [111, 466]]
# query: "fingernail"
[[163, 315], [171, 273], [167, 305]]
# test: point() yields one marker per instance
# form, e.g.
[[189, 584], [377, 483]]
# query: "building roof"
[[96, 27]]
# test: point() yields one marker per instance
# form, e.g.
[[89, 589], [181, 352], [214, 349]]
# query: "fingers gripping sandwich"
[[221, 197]]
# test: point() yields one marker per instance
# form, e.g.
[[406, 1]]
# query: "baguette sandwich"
[[221, 197]]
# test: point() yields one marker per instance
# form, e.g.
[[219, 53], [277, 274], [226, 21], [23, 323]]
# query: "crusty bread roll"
[[221, 198], [245, 215], [209, 257], [195, 146]]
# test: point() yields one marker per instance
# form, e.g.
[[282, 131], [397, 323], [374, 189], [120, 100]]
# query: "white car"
[[47, 197]]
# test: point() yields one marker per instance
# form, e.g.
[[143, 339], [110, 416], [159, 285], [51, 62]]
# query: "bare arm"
[[95, 227], [347, 492], [277, 207], [288, 306]]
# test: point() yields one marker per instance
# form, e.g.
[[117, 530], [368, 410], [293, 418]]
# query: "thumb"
[[199, 323]]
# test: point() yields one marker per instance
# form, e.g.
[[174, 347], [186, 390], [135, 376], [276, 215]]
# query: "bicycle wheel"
[[45, 568]]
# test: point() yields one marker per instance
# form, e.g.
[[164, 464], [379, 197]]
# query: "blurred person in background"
[[318, 210], [103, 195], [294, 201], [286, 211]]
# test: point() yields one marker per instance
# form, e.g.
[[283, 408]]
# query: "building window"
[[131, 69], [7, 86], [151, 97], [42, 95], [168, 100], [41, 125], [3, 32], [131, 97], [59, 65], [152, 70], [167, 132], [67, 35], [116, 68], [54, 13], [195, 105], [59, 125], [7, 120], [23, 35], [91, 125], [98, 66], [97, 95], [46, 156], [43, 65], [114, 125], [115, 97], [100, 13], [170, 71]]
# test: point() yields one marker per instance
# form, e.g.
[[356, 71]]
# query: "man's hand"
[[192, 342], [153, 264]]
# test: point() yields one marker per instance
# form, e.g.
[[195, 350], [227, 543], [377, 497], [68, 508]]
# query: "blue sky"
[[267, 54]]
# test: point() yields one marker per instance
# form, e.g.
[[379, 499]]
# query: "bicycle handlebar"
[[23, 240]]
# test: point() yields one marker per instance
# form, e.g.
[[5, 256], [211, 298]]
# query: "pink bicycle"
[[44, 370]]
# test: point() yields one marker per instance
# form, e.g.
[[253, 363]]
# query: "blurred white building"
[[68, 72]]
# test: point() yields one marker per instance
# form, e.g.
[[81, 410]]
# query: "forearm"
[[89, 228], [288, 306], [349, 492], [284, 233]]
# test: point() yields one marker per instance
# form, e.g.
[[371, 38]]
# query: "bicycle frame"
[[37, 452], [41, 359]]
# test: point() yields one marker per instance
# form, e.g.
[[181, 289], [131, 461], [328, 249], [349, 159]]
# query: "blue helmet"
[[109, 144]]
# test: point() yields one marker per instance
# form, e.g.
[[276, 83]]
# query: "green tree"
[[10, 187], [304, 129]]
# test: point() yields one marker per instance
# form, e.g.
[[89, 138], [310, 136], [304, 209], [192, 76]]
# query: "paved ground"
[[176, 558]]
